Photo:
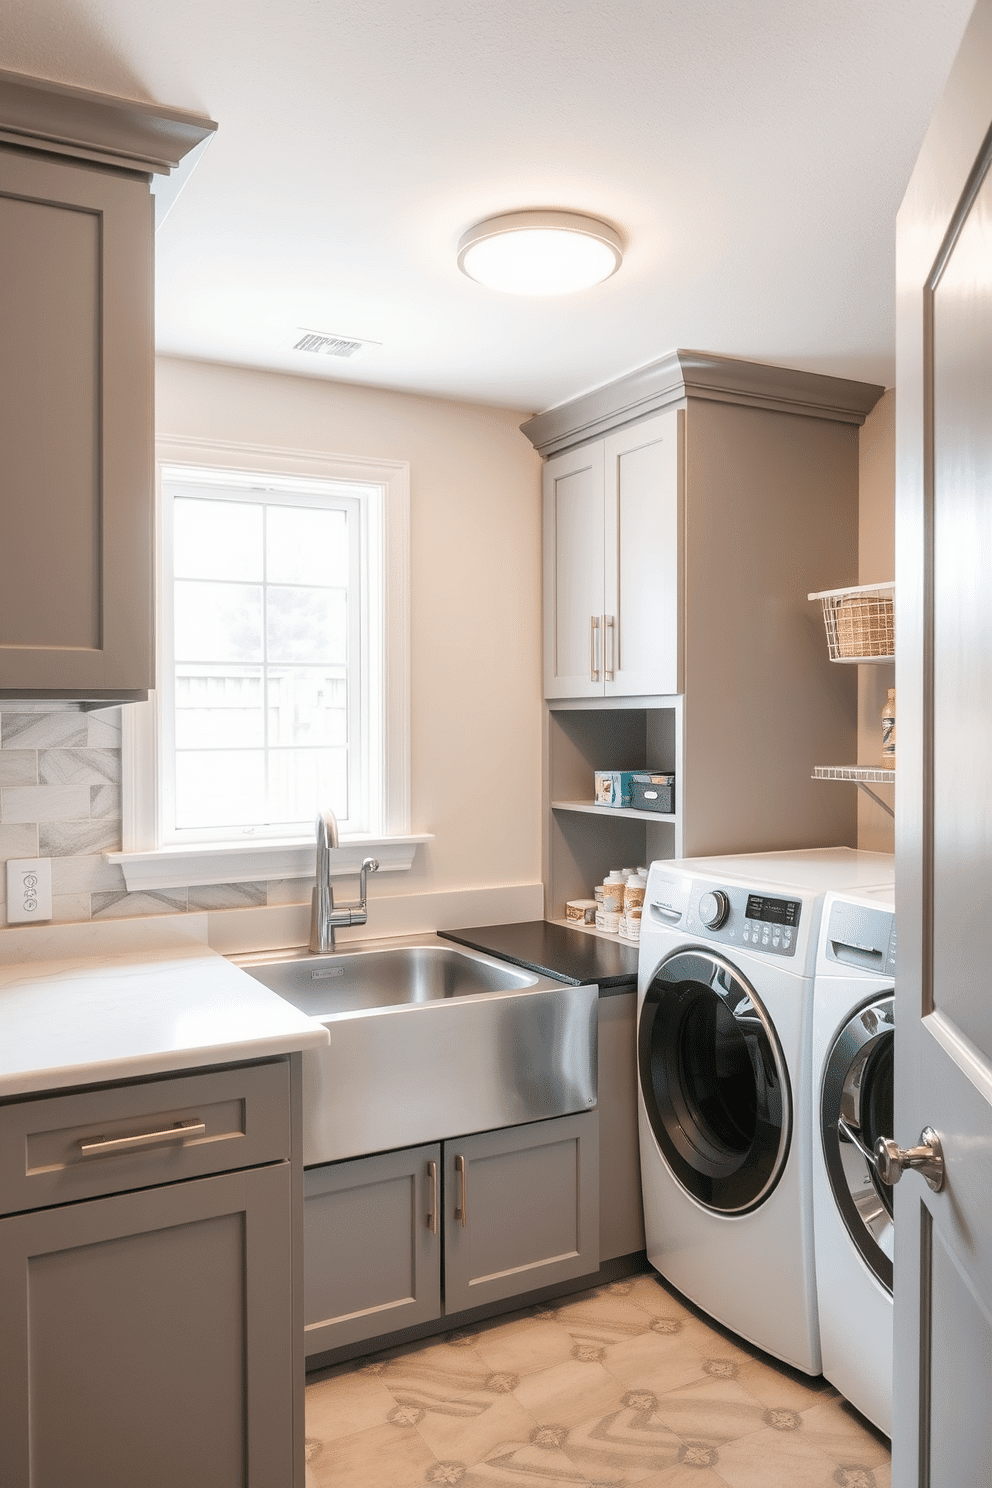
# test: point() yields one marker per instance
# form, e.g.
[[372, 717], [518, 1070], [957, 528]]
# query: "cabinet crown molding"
[[699, 374], [97, 127]]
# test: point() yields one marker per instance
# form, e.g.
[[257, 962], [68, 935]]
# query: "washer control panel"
[[736, 916]]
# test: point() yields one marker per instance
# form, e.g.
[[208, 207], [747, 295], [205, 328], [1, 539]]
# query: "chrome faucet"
[[324, 918]]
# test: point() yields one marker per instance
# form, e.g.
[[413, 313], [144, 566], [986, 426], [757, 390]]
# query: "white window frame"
[[147, 862], [363, 505]]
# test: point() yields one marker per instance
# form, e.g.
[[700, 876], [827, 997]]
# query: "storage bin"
[[653, 792], [860, 622]]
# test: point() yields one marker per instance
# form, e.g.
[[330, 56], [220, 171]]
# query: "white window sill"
[[254, 862]]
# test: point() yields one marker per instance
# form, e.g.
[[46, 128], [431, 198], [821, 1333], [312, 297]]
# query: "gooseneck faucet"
[[324, 918]]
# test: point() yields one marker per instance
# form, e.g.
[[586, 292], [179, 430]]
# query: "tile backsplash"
[[60, 798]]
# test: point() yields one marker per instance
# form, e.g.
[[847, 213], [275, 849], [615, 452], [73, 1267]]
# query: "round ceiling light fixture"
[[540, 253]]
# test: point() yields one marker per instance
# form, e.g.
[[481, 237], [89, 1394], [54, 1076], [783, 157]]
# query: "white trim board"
[[219, 863]]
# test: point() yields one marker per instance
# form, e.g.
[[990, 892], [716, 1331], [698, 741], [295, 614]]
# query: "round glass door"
[[714, 1082], [856, 1103]]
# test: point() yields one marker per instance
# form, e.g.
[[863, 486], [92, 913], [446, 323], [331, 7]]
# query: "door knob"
[[891, 1160]]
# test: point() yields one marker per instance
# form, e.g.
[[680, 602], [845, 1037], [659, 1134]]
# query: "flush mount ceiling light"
[[540, 253]]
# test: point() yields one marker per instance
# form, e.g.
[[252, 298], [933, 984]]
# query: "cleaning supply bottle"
[[889, 731]]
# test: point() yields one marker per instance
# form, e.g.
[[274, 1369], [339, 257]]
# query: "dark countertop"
[[572, 956]]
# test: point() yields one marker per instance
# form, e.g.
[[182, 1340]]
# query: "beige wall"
[[475, 675], [475, 594], [876, 564]]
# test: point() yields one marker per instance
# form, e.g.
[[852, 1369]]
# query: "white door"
[[573, 573], [943, 1258], [642, 558]]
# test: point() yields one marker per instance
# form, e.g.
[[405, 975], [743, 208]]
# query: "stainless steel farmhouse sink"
[[430, 1041]]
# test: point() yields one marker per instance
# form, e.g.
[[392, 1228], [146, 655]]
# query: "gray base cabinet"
[[621, 1212], [150, 1335], [388, 1244], [521, 1209], [371, 1246]]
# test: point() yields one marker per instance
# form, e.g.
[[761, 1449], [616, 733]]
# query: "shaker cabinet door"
[[642, 559], [521, 1209], [573, 573], [148, 1338], [76, 425], [371, 1246]]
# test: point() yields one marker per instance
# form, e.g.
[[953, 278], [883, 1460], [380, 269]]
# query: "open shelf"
[[628, 811], [858, 773], [599, 934], [863, 776]]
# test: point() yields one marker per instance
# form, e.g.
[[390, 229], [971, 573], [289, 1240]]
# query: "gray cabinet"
[[75, 428], [752, 506], [147, 1306], [611, 512], [405, 1237], [371, 1246], [76, 395], [621, 1213], [521, 1209]]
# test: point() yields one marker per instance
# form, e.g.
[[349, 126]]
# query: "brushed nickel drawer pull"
[[593, 648], [461, 1168], [101, 1146], [609, 634], [432, 1213]]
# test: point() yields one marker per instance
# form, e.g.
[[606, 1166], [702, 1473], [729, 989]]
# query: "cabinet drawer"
[[62, 1148]]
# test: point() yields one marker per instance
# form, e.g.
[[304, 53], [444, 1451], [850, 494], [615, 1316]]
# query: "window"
[[269, 667], [283, 666]]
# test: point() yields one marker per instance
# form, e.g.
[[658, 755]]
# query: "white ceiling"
[[752, 152]]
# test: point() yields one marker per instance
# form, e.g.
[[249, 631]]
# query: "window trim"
[[148, 865]]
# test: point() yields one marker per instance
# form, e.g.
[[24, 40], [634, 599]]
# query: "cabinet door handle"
[[432, 1212], [609, 635], [593, 648], [104, 1146], [461, 1168]]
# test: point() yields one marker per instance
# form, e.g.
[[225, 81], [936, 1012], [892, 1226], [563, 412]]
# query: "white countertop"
[[92, 1018]]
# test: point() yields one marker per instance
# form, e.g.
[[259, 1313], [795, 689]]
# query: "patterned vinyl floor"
[[617, 1386]]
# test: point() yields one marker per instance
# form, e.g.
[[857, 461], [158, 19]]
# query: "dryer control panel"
[[729, 913]]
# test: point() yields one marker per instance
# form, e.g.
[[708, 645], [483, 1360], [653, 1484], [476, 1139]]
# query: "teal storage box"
[[613, 786]]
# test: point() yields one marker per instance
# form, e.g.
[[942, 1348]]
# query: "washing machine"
[[725, 1002], [853, 1047]]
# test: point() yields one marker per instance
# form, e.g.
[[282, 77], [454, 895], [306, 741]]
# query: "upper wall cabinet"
[[76, 386], [611, 564]]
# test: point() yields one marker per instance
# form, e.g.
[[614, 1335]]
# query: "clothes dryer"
[[853, 1048], [725, 989]]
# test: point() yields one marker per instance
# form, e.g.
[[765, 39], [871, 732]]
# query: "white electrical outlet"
[[29, 890]]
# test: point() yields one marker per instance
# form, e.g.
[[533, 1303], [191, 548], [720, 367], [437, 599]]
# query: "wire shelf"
[[860, 622]]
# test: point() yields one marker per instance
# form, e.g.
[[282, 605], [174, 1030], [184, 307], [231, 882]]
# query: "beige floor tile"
[[713, 1410], [603, 1316], [844, 1436], [656, 1361], [525, 1346], [684, 1475], [781, 1386], [569, 1393], [346, 1402], [537, 1462], [455, 1383], [772, 1459], [473, 1438], [382, 1457], [625, 1445]]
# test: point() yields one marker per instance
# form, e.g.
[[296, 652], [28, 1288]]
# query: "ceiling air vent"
[[326, 343]]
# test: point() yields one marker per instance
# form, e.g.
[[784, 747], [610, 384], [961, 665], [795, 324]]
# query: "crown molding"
[[697, 374], [96, 127]]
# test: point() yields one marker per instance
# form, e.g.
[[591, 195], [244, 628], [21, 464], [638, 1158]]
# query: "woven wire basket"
[[860, 623]]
